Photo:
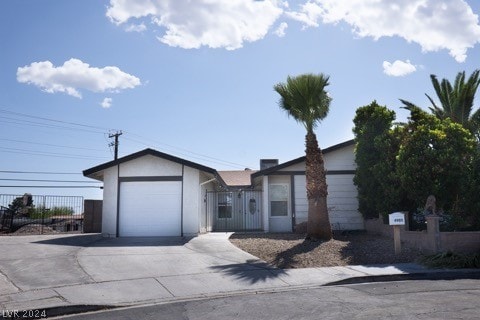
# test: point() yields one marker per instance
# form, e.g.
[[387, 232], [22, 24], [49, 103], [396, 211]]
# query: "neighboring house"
[[150, 193]]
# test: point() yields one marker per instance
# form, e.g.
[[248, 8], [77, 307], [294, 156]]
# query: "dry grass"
[[288, 250]]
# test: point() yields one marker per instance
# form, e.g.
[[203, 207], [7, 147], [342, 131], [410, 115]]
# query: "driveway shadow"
[[253, 271], [96, 240]]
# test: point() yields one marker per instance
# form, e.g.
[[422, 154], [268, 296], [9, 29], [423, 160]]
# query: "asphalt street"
[[438, 299]]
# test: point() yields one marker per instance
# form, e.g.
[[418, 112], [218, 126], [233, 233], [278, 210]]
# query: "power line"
[[53, 187], [49, 145], [53, 120], [43, 180], [44, 125], [188, 153], [37, 172], [51, 154]]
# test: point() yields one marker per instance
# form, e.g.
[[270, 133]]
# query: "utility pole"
[[115, 143]]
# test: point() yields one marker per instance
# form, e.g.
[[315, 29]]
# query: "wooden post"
[[396, 239], [396, 220]]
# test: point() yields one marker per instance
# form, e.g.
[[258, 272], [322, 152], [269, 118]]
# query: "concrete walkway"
[[74, 271]]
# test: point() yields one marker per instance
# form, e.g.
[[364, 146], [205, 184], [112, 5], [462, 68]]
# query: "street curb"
[[436, 275], [79, 309]]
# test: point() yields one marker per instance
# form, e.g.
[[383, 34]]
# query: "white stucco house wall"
[[150, 193]]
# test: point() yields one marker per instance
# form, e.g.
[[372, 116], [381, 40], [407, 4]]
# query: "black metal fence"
[[40, 214]]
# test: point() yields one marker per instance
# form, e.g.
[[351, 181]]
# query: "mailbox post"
[[396, 220]]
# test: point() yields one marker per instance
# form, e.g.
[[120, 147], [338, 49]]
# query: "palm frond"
[[304, 98]]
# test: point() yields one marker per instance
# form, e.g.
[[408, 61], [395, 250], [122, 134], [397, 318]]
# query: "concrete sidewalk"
[[68, 273]]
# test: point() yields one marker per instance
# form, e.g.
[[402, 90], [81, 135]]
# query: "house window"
[[278, 194], [225, 206]]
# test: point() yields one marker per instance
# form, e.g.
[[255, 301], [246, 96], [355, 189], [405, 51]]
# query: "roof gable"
[[151, 152], [301, 159]]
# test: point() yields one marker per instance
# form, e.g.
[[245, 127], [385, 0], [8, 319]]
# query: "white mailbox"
[[396, 219]]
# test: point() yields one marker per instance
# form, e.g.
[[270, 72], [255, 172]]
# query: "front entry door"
[[280, 215], [252, 210]]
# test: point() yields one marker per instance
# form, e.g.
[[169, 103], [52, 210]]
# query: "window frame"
[[285, 199]]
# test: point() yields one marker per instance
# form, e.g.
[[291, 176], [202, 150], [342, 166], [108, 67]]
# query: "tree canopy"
[[456, 100], [399, 166], [305, 99]]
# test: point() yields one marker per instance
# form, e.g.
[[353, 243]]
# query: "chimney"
[[268, 163]]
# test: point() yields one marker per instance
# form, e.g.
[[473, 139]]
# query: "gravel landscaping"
[[289, 250]]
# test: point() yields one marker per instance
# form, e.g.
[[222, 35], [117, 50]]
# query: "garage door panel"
[[150, 208]]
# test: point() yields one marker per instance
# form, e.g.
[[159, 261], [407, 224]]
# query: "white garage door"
[[150, 208]]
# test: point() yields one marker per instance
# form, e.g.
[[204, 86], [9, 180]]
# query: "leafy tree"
[[470, 200], [305, 99], [456, 101], [436, 157], [399, 167], [17, 205], [21, 205], [391, 196], [372, 125]]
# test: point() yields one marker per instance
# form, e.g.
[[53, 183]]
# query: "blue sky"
[[195, 78]]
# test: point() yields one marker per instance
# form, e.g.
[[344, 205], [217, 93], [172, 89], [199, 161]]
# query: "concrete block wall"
[[430, 240]]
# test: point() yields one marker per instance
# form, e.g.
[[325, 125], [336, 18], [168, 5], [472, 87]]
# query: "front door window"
[[225, 206], [278, 194]]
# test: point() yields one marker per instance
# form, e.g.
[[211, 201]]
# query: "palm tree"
[[304, 98], [456, 101]]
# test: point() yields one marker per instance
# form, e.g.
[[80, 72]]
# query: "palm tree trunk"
[[318, 225]]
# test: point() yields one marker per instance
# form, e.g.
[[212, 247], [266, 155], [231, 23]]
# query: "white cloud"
[[433, 24], [281, 29], [212, 23], [74, 75], [398, 68], [309, 14], [136, 27], [106, 103]]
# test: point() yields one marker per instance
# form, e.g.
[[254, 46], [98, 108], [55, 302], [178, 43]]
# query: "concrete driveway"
[[38, 272], [47, 271]]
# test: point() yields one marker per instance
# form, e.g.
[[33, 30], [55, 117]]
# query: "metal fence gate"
[[34, 214], [235, 210]]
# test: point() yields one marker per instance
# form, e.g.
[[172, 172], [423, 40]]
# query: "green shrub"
[[452, 260]]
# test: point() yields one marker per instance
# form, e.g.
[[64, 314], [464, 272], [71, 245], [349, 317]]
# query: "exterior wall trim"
[[302, 173], [292, 196], [150, 178], [117, 231], [181, 208], [339, 172]]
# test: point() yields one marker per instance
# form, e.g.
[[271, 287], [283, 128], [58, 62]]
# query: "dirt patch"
[[289, 250], [34, 229]]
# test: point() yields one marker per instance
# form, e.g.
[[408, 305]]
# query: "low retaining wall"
[[430, 240]]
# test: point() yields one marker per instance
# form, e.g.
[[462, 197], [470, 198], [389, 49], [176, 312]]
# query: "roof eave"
[[300, 159], [145, 152]]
